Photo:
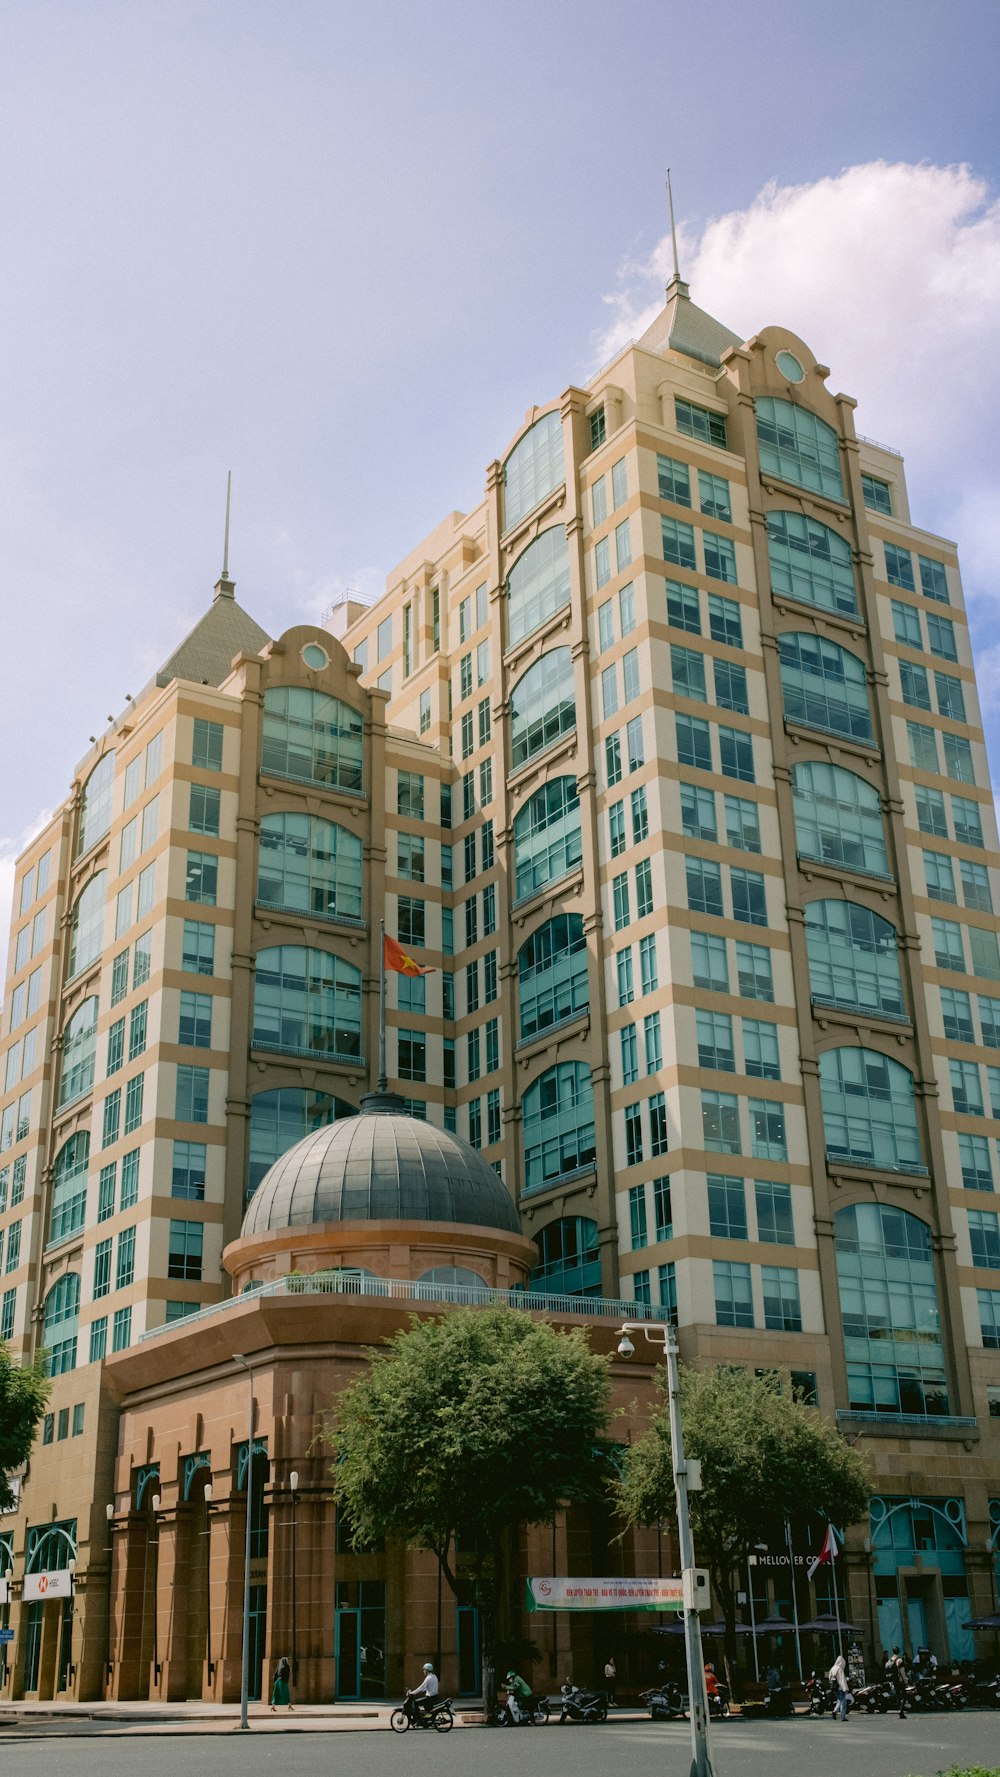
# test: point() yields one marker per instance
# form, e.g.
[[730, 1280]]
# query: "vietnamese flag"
[[395, 957]]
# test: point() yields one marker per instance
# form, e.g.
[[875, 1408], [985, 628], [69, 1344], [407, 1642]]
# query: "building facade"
[[669, 755]]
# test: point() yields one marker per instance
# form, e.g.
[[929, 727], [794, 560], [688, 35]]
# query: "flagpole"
[[836, 1599], [795, 1604], [383, 1083]]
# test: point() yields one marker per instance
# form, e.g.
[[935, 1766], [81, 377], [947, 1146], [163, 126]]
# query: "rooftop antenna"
[[673, 229], [224, 586]]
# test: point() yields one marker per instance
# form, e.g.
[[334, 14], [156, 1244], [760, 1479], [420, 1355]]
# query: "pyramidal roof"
[[206, 654], [683, 327]]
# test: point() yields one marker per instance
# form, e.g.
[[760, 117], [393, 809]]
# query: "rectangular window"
[[949, 952], [410, 920], [956, 1014], [475, 1123], [112, 1118], [767, 1130], [923, 746], [694, 742], [662, 1212], [647, 964], [715, 1041], [653, 1042], [116, 1045], [602, 562], [123, 909], [192, 1095], [782, 1311], [599, 502], [121, 1329], [974, 1157], [411, 993], [410, 794], [471, 921], [731, 687], [447, 995], [736, 754], [206, 750], [915, 685], [906, 624], [958, 758], [774, 1213], [598, 428], [106, 1192], [150, 821], [940, 877], [412, 1052], [640, 1287], [709, 964], [125, 1266], [201, 877], [876, 494], [634, 744], [727, 1209], [492, 1034], [688, 673], [472, 1056], [138, 1020], [483, 719], [950, 696], [425, 711], [984, 1238], [698, 813], [931, 817], [198, 948], [204, 810], [7, 1311], [640, 815], [127, 846], [989, 1319], [742, 824], [626, 608], [657, 1124], [185, 1250], [468, 742], [623, 546], [609, 691], [941, 637], [153, 760], [493, 1116], [674, 480], [195, 1024], [683, 611], [713, 497], [619, 483], [187, 1177], [678, 543], [486, 782], [633, 1135], [616, 828], [760, 1050], [749, 897], [933, 580], [626, 991], [968, 822], [724, 620], [720, 557], [899, 567], [102, 1269], [637, 1216], [98, 1339], [620, 901], [733, 1294], [133, 1103], [966, 1087], [704, 886], [976, 891], [448, 1064], [720, 1115], [989, 1019], [605, 626], [700, 423], [630, 675], [643, 888], [490, 977]]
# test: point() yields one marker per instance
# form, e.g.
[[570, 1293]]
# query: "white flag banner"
[[605, 1594]]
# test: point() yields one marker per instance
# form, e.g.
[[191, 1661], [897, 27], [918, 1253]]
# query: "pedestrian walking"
[[897, 1678], [838, 1679], [281, 1696], [610, 1677]]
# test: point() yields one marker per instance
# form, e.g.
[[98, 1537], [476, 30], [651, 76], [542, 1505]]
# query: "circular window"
[[789, 366], [315, 656]]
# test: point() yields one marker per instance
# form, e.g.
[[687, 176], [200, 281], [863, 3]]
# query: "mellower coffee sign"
[[609, 1594]]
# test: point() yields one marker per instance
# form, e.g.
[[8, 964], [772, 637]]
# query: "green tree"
[[23, 1394], [465, 1429], [765, 1459]]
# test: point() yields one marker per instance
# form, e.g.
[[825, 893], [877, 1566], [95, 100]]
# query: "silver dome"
[[382, 1165]]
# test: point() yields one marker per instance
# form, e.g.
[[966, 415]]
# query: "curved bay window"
[[552, 974], [810, 563], [95, 805], [538, 583], [798, 446], [306, 1002], [60, 1324], [869, 1110], [313, 737], [79, 1049], [86, 931], [824, 686], [569, 1258], [889, 1306], [557, 1112], [542, 706], [534, 467], [308, 864], [547, 836], [853, 958], [838, 818], [69, 1189], [280, 1118]]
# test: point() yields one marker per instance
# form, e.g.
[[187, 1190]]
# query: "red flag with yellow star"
[[395, 957]]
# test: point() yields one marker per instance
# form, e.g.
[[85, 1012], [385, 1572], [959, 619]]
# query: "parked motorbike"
[[820, 1694], [987, 1691], [718, 1702], [877, 1698], [438, 1714], [580, 1705], [513, 1714], [779, 1702], [664, 1702]]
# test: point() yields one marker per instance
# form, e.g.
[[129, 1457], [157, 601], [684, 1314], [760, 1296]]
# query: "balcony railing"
[[958, 1422]]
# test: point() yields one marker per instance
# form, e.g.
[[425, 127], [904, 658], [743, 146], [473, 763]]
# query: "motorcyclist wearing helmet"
[[518, 1695], [424, 1696]]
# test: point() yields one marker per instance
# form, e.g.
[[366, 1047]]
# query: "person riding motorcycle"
[[418, 1701], [518, 1695], [711, 1682]]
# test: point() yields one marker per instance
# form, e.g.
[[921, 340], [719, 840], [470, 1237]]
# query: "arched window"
[[309, 864], [547, 837], [809, 562], [557, 1111], [86, 932], [60, 1323], [280, 1118], [313, 737], [455, 1277], [95, 805], [535, 466], [538, 583], [824, 686], [798, 446], [853, 958], [79, 1047], [69, 1189], [306, 1002], [542, 706], [838, 818], [869, 1112], [889, 1305], [569, 1258], [552, 974]]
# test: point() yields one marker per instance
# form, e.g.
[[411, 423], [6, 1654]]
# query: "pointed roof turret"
[[681, 326]]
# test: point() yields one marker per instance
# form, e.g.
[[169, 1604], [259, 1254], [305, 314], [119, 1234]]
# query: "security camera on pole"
[[686, 1474]]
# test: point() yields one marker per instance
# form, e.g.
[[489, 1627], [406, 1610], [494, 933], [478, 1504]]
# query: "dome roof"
[[382, 1165]]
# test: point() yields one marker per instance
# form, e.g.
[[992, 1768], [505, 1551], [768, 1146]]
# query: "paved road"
[[883, 1747]]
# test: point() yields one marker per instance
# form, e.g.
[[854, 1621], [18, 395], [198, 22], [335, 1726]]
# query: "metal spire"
[[673, 230], [229, 491]]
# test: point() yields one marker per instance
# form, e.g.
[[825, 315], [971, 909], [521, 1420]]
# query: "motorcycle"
[[820, 1694], [514, 1714], [987, 1692], [877, 1698], [718, 1702], [580, 1705], [664, 1702], [438, 1715], [779, 1702]]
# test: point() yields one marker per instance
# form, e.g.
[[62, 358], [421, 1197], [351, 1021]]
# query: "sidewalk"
[[44, 1721]]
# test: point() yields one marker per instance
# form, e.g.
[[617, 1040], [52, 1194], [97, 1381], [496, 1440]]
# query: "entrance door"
[[467, 1640], [258, 1634], [916, 1614], [33, 1646], [359, 1639]]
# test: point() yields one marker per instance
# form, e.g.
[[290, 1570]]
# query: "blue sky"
[[341, 250]]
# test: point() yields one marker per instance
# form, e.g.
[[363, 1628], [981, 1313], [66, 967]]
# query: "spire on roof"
[[681, 326], [224, 587], [673, 230]]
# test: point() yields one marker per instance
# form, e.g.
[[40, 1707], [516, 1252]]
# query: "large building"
[[669, 757]]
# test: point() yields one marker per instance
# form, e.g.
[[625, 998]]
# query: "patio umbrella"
[[827, 1625], [706, 1629], [990, 1622], [774, 1626]]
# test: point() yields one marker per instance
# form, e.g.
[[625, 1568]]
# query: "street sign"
[[605, 1594], [56, 1583], [6, 1635]]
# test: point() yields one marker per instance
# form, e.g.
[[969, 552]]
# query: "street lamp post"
[[238, 1358], [658, 1333], [293, 1482]]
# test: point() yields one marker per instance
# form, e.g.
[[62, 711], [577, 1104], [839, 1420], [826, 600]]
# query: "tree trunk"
[[727, 1598]]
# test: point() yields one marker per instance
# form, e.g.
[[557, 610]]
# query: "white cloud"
[[10, 851], [891, 274]]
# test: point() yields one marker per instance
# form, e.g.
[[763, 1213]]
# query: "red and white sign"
[[56, 1583]]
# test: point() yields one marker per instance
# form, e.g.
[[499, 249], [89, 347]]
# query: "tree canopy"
[[24, 1391], [765, 1458]]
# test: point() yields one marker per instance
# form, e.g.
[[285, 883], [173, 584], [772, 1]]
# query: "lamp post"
[[207, 1534], [293, 1482], [156, 1588], [109, 1512], [658, 1333], [238, 1358]]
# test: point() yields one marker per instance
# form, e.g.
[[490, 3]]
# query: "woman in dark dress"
[[280, 1693]]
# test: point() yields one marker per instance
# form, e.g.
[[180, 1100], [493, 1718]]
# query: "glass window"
[[713, 496], [853, 958], [720, 557], [869, 1112], [899, 567], [838, 818], [700, 422], [626, 608], [606, 626], [195, 1024], [704, 886], [79, 1052], [60, 1324], [688, 673], [733, 1294], [923, 746], [889, 1307], [976, 891], [797, 446], [609, 691], [709, 963], [715, 1041], [989, 1018], [198, 951], [694, 742], [731, 687], [201, 877], [538, 583], [412, 1054], [599, 501], [749, 897], [86, 935], [616, 828], [637, 1216], [968, 821], [933, 579], [761, 1056], [69, 1189], [780, 1286], [188, 1170], [906, 624], [674, 481], [206, 750], [824, 686], [774, 1213], [742, 823], [185, 1250], [569, 1258], [974, 1158], [914, 685], [678, 542], [205, 809], [534, 467], [683, 610], [949, 952], [620, 901], [727, 1210], [875, 494], [630, 675], [720, 1115], [640, 815], [96, 801], [552, 974], [558, 1118], [633, 1135], [966, 1087], [767, 1129], [736, 754], [931, 816], [958, 758], [309, 864], [698, 813], [313, 737], [724, 620], [653, 1042], [623, 546], [950, 696], [602, 562], [626, 988], [989, 1319], [306, 1001], [410, 795], [619, 483], [941, 636], [542, 706]]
